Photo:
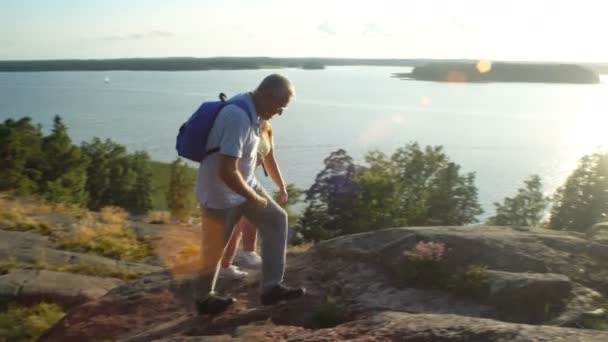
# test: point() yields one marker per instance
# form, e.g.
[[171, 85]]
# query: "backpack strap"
[[244, 106], [239, 103]]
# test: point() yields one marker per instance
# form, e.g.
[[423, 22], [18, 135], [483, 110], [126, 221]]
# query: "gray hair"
[[278, 86]]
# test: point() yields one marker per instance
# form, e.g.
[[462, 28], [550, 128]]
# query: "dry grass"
[[16, 218], [301, 248], [158, 217], [86, 269], [35, 206], [27, 324], [111, 237], [113, 215]]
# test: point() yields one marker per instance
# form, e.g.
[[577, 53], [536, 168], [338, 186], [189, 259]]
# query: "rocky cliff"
[[529, 285]]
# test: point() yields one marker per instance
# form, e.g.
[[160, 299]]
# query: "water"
[[503, 132]]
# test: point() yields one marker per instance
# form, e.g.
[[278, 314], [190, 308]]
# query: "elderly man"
[[227, 189]]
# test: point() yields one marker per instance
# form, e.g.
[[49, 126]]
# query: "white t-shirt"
[[236, 136]]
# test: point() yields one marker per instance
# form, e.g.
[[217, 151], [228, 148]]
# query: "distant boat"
[[106, 80]]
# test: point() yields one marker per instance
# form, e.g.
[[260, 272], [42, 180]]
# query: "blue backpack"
[[193, 134]]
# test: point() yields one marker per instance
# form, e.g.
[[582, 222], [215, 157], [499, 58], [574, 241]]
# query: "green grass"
[[86, 269], [28, 323]]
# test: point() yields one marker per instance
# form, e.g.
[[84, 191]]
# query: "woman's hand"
[[283, 196]]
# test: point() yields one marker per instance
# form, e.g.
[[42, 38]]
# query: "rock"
[[581, 301], [352, 294], [598, 250], [67, 289], [398, 326], [527, 297], [31, 248], [498, 248]]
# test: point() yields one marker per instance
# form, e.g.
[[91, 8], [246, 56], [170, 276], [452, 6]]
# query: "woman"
[[244, 228]]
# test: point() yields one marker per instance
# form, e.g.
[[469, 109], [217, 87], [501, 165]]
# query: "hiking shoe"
[[249, 259], [213, 305], [233, 273], [281, 292]]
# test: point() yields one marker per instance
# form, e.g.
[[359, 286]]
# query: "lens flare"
[[484, 66], [426, 101]]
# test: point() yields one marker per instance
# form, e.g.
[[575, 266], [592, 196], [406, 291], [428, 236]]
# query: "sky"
[[536, 30]]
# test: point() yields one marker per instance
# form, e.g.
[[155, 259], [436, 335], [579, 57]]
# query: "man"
[[227, 189]]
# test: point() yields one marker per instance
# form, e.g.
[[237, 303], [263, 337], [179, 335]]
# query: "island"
[[486, 71]]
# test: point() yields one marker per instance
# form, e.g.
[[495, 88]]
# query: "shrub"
[[15, 218], [328, 314], [158, 217], [113, 215], [424, 266], [472, 283], [27, 324], [112, 239]]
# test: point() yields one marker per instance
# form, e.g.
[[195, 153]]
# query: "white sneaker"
[[249, 259], [232, 272]]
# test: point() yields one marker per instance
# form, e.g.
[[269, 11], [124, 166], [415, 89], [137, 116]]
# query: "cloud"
[[374, 30], [242, 31], [457, 24], [136, 36], [326, 28]]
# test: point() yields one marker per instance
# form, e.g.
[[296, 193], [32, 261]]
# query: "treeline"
[[190, 63], [241, 63], [418, 186], [95, 174], [415, 186]]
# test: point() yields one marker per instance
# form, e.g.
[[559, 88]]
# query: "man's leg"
[[217, 227], [271, 223]]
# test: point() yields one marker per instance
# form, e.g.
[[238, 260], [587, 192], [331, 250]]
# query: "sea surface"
[[503, 132]]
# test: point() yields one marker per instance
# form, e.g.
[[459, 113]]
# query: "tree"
[[180, 199], [376, 201], [63, 176], [414, 187], [583, 200], [140, 195], [330, 198], [526, 208], [20, 156], [116, 178], [103, 158]]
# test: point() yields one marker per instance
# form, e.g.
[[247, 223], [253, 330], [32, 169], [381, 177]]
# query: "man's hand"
[[259, 201], [230, 174]]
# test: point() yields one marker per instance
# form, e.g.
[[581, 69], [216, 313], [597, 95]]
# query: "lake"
[[501, 131]]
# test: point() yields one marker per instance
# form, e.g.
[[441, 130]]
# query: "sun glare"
[[484, 66], [590, 126]]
